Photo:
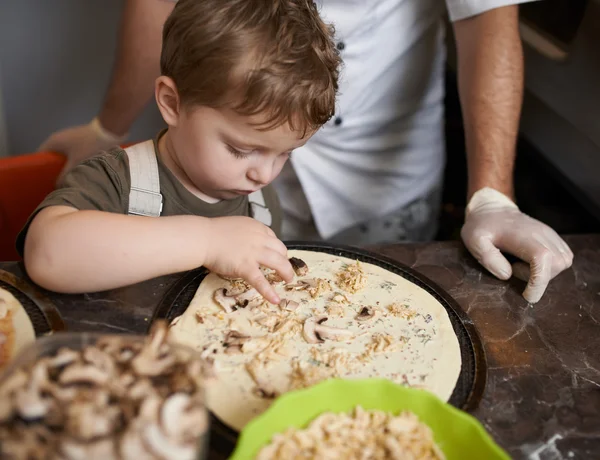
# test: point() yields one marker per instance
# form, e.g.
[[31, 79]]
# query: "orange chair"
[[25, 180]]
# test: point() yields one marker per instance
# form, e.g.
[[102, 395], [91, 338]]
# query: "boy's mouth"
[[243, 192]]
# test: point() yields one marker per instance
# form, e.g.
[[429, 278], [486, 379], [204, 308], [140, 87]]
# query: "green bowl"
[[459, 435]]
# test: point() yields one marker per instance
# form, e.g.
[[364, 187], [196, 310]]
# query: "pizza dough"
[[16, 330], [344, 319]]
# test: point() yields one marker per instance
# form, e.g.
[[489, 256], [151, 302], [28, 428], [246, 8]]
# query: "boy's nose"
[[261, 175]]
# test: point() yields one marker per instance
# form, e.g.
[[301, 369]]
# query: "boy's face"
[[225, 155]]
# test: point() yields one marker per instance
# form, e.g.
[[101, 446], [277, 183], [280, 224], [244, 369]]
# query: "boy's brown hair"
[[275, 57]]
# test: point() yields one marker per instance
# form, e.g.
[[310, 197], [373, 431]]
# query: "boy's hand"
[[238, 246]]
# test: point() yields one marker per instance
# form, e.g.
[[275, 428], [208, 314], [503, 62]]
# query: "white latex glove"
[[81, 142], [493, 223]]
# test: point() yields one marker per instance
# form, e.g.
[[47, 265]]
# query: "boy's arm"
[[73, 251]]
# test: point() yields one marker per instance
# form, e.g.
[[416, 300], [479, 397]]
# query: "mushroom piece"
[[87, 421], [248, 297], [289, 305], [233, 342], [181, 417], [299, 266], [149, 362], [226, 302], [172, 411], [132, 446], [314, 331], [162, 446], [332, 333], [152, 366], [61, 394], [301, 285], [99, 359], [309, 330], [64, 357], [365, 314], [29, 403], [83, 373], [72, 450]]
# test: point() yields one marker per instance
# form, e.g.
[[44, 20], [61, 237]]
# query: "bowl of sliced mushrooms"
[[364, 418], [88, 396]]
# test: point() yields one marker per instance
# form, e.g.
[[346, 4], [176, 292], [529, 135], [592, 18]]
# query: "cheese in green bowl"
[[373, 415]]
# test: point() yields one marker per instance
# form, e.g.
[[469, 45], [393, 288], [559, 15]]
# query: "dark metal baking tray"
[[471, 381], [44, 316]]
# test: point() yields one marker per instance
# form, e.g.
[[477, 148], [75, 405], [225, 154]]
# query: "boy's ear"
[[167, 99]]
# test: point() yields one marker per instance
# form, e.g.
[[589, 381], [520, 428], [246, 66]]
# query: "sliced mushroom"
[[248, 297], [289, 305], [332, 333], [365, 314], [29, 403], [83, 373], [309, 330], [86, 420], [181, 417], [226, 302], [233, 342], [72, 450], [61, 394], [299, 266], [301, 285], [132, 446], [99, 359], [140, 389], [314, 331], [162, 446], [274, 278], [150, 408], [147, 364], [64, 357]]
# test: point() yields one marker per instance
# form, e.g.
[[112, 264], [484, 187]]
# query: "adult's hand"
[[80, 142], [494, 223]]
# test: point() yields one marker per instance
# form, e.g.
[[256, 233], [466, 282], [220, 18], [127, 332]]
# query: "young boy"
[[244, 83]]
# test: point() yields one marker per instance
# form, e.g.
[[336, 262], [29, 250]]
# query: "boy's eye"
[[237, 153]]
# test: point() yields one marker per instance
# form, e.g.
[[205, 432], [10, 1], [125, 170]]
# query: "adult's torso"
[[385, 146]]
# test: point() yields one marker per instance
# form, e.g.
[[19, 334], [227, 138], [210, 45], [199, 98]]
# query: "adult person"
[[373, 173]]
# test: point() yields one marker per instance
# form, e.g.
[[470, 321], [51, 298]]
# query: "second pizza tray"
[[471, 381], [44, 316]]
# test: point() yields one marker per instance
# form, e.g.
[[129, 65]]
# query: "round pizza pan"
[[44, 316], [471, 381]]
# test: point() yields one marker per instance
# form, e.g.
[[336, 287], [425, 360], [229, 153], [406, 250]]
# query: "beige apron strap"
[[144, 196], [258, 208]]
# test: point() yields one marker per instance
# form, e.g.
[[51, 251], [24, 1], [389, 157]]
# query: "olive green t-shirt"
[[102, 183]]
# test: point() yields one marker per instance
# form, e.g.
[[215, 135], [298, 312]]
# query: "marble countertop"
[[542, 399]]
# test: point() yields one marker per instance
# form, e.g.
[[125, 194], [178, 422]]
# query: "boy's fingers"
[[257, 280], [278, 246], [278, 262]]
